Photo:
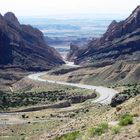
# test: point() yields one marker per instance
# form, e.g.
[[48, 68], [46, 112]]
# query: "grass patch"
[[116, 129], [17, 132], [125, 120], [69, 136], [99, 130]]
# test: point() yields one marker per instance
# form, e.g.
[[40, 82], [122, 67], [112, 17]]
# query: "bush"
[[99, 130], [130, 91], [69, 136], [24, 116], [104, 125], [126, 120], [116, 129], [4, 100]]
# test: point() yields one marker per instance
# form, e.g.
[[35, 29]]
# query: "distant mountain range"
[[69, 29], [61, 32], [24, 46], [121, 42]]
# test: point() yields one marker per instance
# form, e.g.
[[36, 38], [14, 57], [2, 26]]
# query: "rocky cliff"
[[24, 46], [120, 42]]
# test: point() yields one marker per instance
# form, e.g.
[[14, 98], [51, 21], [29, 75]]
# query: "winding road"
[[105, 94]]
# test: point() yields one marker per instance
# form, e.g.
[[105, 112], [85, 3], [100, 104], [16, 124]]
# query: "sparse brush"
[[69, 136], [99, 130], [116, 129], [126, 120]]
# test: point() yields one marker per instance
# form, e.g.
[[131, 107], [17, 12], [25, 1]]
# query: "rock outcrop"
[[24, 46], [120, 42], [81, 98], [72, 53]]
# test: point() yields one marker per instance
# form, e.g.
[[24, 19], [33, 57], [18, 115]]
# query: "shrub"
[[24, 116], [4, 100], [116, 129], [99, 130], [126, 120], [69, 136], [104, 125]]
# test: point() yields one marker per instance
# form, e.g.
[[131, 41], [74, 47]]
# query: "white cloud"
[[55, 7]]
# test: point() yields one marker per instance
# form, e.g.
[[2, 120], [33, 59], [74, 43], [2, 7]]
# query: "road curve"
[[105, 97]]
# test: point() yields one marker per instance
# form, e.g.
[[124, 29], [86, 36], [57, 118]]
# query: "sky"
[[66, 7]]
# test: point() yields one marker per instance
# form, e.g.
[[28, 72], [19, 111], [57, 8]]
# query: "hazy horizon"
[[77, 16]]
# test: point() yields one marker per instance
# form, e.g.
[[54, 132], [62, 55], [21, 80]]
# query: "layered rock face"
[[24, 46], [73, 52], [120, 42]]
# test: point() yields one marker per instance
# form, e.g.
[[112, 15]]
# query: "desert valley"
[[63, 86]]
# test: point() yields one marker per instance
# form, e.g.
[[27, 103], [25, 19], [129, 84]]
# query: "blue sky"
[[66, 7]]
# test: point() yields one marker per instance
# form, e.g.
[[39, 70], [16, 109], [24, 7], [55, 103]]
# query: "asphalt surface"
[[105, 94]]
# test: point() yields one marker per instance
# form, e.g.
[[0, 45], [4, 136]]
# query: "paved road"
[[105, 97]]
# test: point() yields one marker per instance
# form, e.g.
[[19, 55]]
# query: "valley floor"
[[83, 120], [52, 123]]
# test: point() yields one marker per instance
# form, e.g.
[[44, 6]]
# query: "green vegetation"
[[131, 90], [126, 120], [24, 131], [69, 136], [60, 121], [116, 129], [4, 101], [99, 130], [38, 96]]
